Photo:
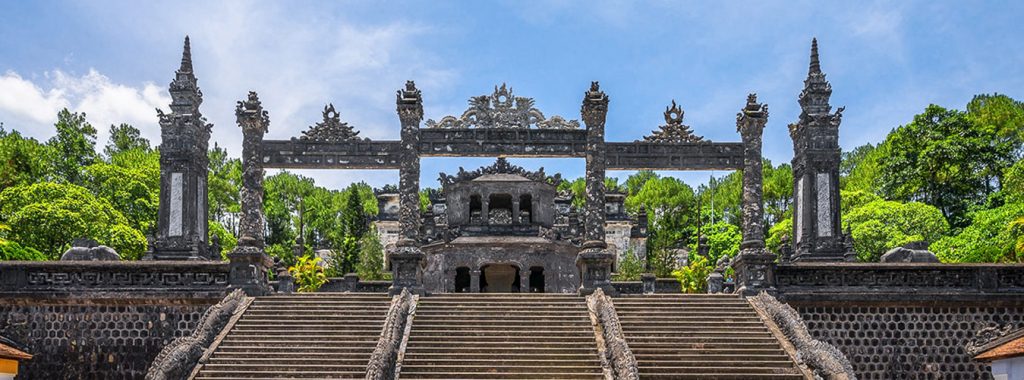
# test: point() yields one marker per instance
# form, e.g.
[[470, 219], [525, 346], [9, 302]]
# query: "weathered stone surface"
[[382, 365], [915, 252], [185, 136], [825, 360], [673, 131], [816, 159], [503, 110], [179, 358], [89, 250], [616, 349], [331, 129]]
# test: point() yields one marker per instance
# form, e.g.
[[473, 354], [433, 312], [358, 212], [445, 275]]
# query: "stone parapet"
[[97, 279]]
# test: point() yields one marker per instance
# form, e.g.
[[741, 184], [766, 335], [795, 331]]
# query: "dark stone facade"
[[904, 321], [102, 319]]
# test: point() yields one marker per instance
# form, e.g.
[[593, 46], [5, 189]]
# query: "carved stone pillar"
[[407, 259], [524, 280], [515, 211], [754, 265], [182, 218], [249, 263], [594, 261], [485, 209], [474, 280], [817, 232]]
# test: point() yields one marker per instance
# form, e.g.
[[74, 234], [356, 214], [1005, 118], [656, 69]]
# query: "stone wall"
[[102, 320], [904, 321]]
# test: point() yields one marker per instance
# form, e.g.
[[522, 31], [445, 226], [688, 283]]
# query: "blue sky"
[[886, 62]]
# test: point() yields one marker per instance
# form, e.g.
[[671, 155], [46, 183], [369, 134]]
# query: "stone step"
[[498, 375], [567, 333], [494, 367], [276, 373], [264, 350], [719, 376]]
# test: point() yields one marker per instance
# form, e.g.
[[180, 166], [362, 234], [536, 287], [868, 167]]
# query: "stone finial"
[[250, 114], [410, 103], [186, 57], [753, 114], [815, 67], [673, 131]]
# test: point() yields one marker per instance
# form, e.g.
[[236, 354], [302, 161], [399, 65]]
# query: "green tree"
[[882, 225], [671, 210], [694, 276], [228, 240], [131, 183], [74, 146], [944, 158], [858, 170], [48, 216], [371, 257], [223, 185], [23, 160], [123, 138], [630, 267], [992, 237]]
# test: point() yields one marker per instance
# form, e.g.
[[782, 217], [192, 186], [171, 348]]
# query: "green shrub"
[[308, 273]]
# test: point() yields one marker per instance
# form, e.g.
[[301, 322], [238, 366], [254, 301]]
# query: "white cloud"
[[28, 107], [22, 101]]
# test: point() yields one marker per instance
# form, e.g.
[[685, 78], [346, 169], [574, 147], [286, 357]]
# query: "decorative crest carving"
[[501, 166], [502, 109], [674, 131], [331, 129], [410, 103]]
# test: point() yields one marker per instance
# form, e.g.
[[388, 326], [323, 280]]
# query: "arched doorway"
[[536, 280], [462, 280], [499, 278]]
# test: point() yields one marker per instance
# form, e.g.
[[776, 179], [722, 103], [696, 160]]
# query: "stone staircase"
[[502, 336], [683, 336], [307, 335]]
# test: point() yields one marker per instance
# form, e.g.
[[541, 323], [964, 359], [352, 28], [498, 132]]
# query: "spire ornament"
[[673, 131], [331, 129], [502, 109]]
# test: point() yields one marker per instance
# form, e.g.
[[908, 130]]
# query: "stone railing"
[[179, 358], [842, 282], [661, 285], [352, 283], [823, 359], [615, 349], [383, 364], [56, 278]]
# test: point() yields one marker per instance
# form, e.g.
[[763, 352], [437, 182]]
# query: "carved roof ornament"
[[502, 109], [814, 99], [409, 103], [674, 131], [501, 166], [331, 129]]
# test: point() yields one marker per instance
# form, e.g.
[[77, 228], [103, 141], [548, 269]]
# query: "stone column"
[[485, 209], [249, 263], [754, 265], [515, 209], [524, 280], [407, 259], [594, 260], [474, 281]]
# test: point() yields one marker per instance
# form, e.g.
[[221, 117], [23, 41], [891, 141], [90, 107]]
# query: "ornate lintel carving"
[[502, 109], [501, 166], [674, 131], [331, 129]]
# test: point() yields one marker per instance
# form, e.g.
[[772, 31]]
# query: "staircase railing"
[[823, 359], [178, 358], [383, 363], [615, 349]]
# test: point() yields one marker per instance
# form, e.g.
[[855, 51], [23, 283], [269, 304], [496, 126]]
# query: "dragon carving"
[[502, 109]]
